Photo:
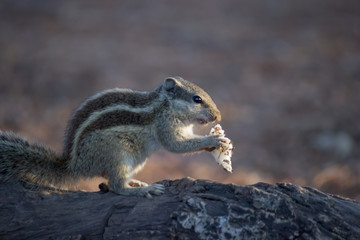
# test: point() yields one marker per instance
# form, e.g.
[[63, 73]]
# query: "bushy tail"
[[33, 163]]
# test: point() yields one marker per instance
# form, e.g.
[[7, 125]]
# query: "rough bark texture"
[[188, 210]]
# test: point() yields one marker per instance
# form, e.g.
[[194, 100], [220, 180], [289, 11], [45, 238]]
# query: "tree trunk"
[[189, 209]]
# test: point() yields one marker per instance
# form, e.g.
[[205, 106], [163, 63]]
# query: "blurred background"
[[285, 75]]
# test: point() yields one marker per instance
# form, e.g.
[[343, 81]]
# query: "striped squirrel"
[[112, 134]]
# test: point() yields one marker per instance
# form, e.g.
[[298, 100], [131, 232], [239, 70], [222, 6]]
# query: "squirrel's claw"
[[154, 189], [157, 189]]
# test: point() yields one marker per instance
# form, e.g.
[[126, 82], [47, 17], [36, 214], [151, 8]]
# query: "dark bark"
[[188, 210]]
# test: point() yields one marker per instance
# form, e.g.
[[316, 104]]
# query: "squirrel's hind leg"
[[104, 187], [137, 183], [148, 191], [121, 183], [127, 190]]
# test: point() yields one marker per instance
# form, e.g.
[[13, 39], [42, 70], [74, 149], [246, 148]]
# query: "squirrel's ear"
[[169, 85]]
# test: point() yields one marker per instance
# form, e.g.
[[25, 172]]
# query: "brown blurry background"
[[285, 75]]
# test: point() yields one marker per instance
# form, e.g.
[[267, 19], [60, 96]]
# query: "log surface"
[[189, 209]]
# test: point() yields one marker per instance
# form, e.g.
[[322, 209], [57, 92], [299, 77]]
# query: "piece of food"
[[224, 153]]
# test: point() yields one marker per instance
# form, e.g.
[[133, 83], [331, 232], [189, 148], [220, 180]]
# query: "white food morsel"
[[224, 153]]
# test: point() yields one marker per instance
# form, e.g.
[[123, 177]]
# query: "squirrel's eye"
[[197, 99]]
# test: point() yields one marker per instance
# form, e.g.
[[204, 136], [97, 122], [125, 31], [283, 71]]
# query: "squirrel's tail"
[[32, 163]]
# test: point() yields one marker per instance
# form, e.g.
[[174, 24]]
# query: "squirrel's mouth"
[[202, 121]]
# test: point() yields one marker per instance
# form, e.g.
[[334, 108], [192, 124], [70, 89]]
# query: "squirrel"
[[112, 134]]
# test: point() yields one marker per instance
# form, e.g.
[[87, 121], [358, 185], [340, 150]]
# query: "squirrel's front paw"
[[154, 189], [218, 141]]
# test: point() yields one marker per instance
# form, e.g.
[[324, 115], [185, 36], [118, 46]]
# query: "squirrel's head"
[[191, 104]]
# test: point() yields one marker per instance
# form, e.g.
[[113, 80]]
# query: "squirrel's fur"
[[112, 134]]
